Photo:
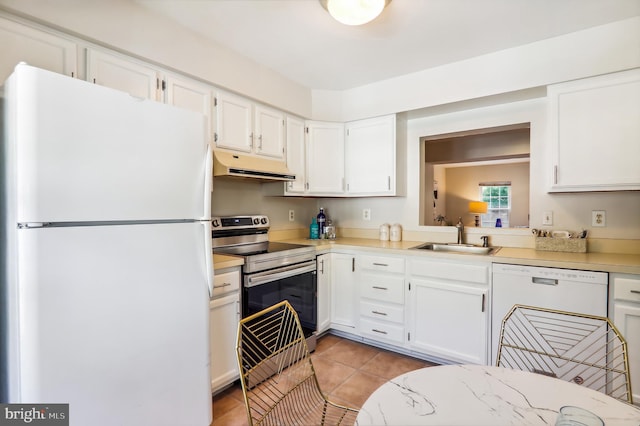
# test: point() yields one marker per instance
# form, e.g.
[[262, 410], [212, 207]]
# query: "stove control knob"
[[256, 220], [263, 220], [215, 223]]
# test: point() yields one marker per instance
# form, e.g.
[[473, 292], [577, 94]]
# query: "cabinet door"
[[191, 95], [268, 132], [344, 293], [233, 122], [21, 43], [296, 155], [370, 156], [627, 319], [595, 133], [449, 321], [325, 158], [122, 74], [324, 292], [224, 315]]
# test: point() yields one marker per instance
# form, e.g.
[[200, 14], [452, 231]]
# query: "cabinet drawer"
[[382, 263], [382, 311], [626, 289], [382, 287], [225, 283], [478, 274], [382, 331]]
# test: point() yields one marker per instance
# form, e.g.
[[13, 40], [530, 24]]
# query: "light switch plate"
[[598, 218], [547, 218]]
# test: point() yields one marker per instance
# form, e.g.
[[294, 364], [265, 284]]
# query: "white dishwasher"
[[564, 289]]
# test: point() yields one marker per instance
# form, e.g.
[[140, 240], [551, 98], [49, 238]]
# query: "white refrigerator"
[[106, 253]]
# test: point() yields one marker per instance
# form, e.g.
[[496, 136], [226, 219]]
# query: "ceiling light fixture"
[[354, 12]]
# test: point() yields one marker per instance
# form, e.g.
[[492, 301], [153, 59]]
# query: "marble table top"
[[484, 395]]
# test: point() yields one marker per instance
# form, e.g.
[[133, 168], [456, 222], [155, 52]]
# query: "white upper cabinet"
[[124, 74], [189, 94], [325, 158], [241, 125], [296, 156], [21, 43], [595, 133], [370, 156], [233, 122], [268, 124]]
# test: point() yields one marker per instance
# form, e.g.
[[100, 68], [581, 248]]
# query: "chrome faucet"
[[460, 227]]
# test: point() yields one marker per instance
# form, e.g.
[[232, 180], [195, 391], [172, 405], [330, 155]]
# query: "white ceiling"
[[299, 39]]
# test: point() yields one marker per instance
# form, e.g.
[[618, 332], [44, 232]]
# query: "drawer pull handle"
[[379, 288], [380, 264], [378, 331], [635, 291], [379, 313], [223, 285]]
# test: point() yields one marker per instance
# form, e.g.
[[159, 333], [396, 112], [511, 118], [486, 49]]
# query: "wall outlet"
[[547, 218], [598, 218], [292, 215], [366, 214]]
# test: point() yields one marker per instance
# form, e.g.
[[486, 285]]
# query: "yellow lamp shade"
[[477, 207]]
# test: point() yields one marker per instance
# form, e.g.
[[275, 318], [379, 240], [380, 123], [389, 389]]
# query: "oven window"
[[299, 291]]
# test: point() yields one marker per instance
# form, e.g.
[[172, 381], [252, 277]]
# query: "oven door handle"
[[253, 281]]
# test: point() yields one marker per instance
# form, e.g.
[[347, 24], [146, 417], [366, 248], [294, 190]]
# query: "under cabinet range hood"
[[232, 164]]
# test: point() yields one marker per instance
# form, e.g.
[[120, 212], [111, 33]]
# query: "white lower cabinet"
[[626, 317], [381, 281], [224, 315], [448, 310], [323, 273], [344, 293]]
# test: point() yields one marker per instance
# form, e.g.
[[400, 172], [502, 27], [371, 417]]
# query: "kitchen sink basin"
[[457, 248]]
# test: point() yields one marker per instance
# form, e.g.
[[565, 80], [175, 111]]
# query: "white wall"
[[594, 51], [570, 211]]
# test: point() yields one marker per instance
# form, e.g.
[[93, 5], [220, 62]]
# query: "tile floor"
[[348, 372]]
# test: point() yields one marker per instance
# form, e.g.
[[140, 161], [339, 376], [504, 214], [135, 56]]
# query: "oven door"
[[295, 283]]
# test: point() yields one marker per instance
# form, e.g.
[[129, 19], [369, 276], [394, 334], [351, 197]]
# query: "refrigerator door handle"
[[208, 255], [208, 183]]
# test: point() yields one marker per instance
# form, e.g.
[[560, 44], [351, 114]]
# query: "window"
[[497, 195]]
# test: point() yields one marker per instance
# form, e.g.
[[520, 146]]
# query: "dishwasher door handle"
[[545, 281]]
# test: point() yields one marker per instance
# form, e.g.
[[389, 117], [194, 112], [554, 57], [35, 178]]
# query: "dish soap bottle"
[[322, 220], [313, 229]]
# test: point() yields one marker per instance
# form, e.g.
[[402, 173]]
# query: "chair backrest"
[[278, 379], [585, 349]]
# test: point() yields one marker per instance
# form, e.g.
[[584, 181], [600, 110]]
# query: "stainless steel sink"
[[457, 248]]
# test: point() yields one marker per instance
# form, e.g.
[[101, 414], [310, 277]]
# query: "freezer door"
[[114, 321], [84, 152]]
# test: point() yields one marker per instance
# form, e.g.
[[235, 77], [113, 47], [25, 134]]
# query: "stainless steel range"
[[272, 271]]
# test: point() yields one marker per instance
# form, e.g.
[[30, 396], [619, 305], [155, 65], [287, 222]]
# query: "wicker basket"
[[572, 245]]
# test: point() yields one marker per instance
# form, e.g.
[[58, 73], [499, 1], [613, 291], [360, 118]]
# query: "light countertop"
[[221, 261], [606, 262]]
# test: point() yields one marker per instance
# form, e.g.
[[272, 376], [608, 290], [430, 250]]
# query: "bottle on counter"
[[322, 221], [313, 229]]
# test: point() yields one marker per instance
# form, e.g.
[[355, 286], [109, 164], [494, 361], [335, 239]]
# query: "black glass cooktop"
[[258, 248]]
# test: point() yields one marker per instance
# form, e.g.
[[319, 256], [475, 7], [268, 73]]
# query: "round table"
[[484, 395]]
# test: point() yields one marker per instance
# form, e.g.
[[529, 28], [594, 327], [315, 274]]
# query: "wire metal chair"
[[585, 349], [279, 382]]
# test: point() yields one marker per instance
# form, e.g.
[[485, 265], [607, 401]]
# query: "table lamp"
[[477, 208]]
